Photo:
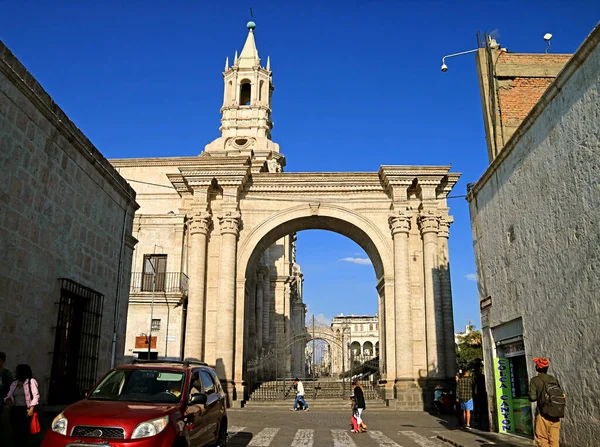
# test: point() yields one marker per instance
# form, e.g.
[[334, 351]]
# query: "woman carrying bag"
[[22, 398]]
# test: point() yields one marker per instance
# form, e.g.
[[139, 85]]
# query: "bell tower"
[[246, 112]]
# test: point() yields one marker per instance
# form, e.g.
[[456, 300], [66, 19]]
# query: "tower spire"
[[249, 55], [246, 112]]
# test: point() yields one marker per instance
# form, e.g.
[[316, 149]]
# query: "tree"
[[468, 349]]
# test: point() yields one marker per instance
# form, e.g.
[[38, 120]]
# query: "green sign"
[[504, 403]]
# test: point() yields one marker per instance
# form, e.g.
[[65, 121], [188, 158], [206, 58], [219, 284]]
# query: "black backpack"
[[553, 401]]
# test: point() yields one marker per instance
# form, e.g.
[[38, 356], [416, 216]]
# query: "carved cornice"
[[200, 223], [229, 222], [399, 221], [130, 241], [197, 160], [429, 222]]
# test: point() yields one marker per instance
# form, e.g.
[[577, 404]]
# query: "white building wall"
[[536, 217]]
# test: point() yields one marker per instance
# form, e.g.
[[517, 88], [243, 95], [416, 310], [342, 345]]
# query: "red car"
[[149, 404]]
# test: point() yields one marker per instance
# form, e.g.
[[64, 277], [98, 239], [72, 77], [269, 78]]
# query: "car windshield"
[[140, 385]]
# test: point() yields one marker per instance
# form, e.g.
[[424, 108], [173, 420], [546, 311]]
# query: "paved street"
[[324, 428]]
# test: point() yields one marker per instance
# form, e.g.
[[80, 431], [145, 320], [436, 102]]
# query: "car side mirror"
[[198, 399]]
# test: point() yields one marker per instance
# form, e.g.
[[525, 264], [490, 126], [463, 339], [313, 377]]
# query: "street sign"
[[485, 303]]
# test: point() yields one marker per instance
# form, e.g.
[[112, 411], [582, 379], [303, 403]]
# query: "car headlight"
[[59, 424], [150, 428]]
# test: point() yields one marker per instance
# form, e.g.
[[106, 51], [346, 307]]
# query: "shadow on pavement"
[[241, 439]]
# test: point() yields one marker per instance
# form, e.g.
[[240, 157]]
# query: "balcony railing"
[[167, 282]]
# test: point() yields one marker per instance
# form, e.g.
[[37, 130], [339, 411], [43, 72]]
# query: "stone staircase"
[[323, 393]]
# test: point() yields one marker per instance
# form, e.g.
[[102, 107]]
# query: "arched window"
[[245, 92], [260, 90]]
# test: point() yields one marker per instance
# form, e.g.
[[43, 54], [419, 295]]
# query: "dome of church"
[[251, 25]]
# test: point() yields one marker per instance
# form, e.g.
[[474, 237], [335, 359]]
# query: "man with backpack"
[[546, 391]]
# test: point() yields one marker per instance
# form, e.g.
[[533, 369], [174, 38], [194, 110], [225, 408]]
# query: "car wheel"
[[222, 437]]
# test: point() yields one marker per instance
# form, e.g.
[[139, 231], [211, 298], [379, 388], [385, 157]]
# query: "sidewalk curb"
[[450, 441]]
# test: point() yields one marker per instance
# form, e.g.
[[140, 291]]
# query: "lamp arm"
[[459, 54]]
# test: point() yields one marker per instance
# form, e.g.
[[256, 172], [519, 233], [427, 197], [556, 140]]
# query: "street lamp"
[[445, 67]]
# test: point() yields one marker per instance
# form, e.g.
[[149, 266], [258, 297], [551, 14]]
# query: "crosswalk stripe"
[[234, 431], [304, 438], [264, 437], [341, 438], [383, 440], [421, 440]]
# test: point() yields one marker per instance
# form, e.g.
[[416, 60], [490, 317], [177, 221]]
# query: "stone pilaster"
[[259, 308], [400, 222], [267, 305], [194, 334], [229, 225], [429, 226], [251, 336], [446, 294]]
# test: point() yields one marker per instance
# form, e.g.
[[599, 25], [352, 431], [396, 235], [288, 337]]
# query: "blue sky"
[[358, 85]]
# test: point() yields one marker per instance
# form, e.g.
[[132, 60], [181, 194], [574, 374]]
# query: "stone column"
[[259, 309], [429, 226], [229, 223], [194, 333], [446, 293], [400, 227]]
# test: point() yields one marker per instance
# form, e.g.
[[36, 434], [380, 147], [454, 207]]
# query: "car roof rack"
[[173, 362]]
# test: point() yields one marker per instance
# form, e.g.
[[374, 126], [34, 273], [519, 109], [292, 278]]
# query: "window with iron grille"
[[76, 343], [156, 324]]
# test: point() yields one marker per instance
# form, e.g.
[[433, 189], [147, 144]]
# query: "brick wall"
[[518, 93], [62, 210], [511, 85]]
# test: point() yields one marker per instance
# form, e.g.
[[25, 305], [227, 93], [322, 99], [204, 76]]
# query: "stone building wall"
[[535, 215], [64, 213]]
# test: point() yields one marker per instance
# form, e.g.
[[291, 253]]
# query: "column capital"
[[399, 221], [429, 222], [200, 223], [230, 222], [445, 223]]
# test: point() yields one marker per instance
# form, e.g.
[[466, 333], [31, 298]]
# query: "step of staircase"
[[337, 404]]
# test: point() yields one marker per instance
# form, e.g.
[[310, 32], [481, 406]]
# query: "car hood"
[[115, 413]]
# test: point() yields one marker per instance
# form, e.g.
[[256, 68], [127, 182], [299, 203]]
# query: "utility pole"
[[313, 355], [152, 305], [152, 308]]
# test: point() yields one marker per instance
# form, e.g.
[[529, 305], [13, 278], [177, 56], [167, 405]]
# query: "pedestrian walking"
[[438, 400], [551, 402], [359, 398], [6, 379], [22, 398], [299, 395], [464, 395]]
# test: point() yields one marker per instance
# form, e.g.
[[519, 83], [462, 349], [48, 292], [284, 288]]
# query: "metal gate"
[[77, 341]]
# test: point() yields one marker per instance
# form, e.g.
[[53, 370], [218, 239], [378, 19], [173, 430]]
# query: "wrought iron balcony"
[[165, 282]]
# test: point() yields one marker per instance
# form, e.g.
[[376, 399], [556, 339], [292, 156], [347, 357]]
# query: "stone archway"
[[330, 217]]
